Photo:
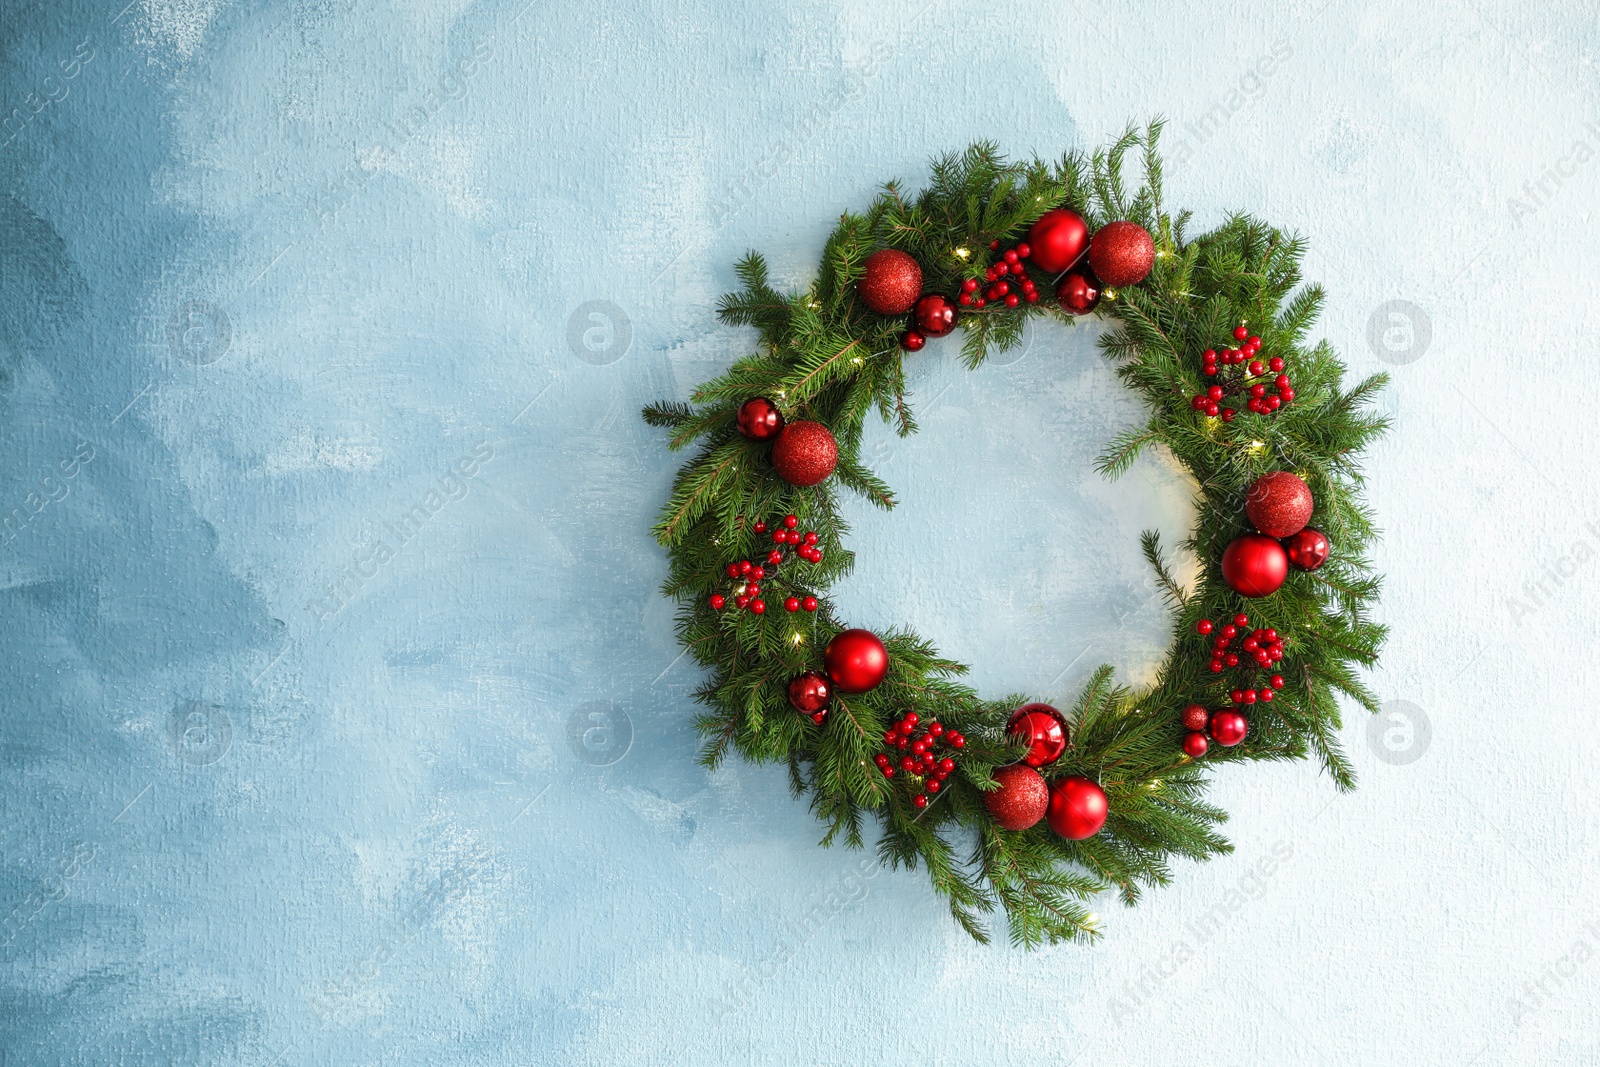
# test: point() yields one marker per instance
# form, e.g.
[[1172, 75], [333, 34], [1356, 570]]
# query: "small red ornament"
[[856, 661], [1228, 727], [759, 419], [1078, 808], [1122, 253], [1254, 565], [1308, 549], [1279, 504], [1079, 291], [935, 314], [890, 282], [1021, 800], [1058, 240], [1195, 717], [913, 340], [1194, 744], [809, 692], [805, 453], [1045, 731]]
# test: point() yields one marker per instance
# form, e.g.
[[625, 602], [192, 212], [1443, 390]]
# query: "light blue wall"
[[274, 273]]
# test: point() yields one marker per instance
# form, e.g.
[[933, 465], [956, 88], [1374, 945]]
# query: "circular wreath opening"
[[1015, 804]]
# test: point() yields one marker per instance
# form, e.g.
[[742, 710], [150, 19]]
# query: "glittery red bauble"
[[1058, 240], [1122, 253], [1078, 808], [856, 661], [890, 282], [1279, 504], [1194, 744], [1195, 717], [805, 453], [1254, 565], [935, 314], [1228, 727], [1078, 292], [760, 419], [1045, 731], [1022, 798], [1308, 549], [809, 693]]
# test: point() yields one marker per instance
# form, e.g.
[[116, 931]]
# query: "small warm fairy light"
[[1257, 446], [781, 394], [740, 591], [856, 360], [798, 639], [963, 253], [815, 304], [1093, 919]]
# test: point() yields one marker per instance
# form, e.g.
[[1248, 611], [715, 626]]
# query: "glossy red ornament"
[[1279, 504], [1308, 549], [856, 661], [1058, 240], [1228, 727], [809, 692], [935, 314], [759, 419], [1078, 292], [1078, 808], [1045, 730], [805, 453], [1195, 717], [1122, 253], [913, 340], [1021, 800], [890, 282], [1254, 565], [1194, 744]]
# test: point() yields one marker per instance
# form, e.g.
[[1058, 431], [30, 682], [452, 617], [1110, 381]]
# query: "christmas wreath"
[[1013, 802]]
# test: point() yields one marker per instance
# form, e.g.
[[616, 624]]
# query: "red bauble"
[[1045, 731], [805, 453], [1058, 240], [890, 282], [809, 693], [1279, 504], [1021, 800], [1078, 808], [760, 419], [1194, 744], [913, 340], [1228, 727], [856, 661], [1122, 253], [1308, 549], [1195, 717], [935, 314], [1079, 291], [1254, 565]]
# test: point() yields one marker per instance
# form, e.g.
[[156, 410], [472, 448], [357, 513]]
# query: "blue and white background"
[[343, 722]]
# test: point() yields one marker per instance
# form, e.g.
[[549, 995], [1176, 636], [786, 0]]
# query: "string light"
[[799, 639], [963, 253]]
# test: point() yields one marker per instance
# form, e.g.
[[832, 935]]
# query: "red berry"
[[758, 573], [758, 606], [1249, 696], [1216, 666], [717, 600], [733, 570], [1228, 414], [970, 285], [760, 527], [1241, 620], [1277, 681], [742, 601], [957, 741], [1212, 409], [809, 603], [890, 736], [1024, 250], [1214, 393], [1276, 363], [791, 603], [933, 786], [1256, 367], [1010, 256], [1254, 342], [994, 244], [1240, 333], [888, 772], [947, 765], [920, 801], [791, 521], [1265, 694], [1231, 660], [1209, 355], [745, 566], [1203, 626], [1230, 631]]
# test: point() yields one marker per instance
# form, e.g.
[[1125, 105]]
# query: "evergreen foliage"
[[821, 354]]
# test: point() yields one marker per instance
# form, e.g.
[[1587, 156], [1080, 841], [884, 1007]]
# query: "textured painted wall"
[[343, 723]]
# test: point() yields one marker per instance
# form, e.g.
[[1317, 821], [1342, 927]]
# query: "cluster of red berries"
[[1262, 400], [1007, 277], [1265, 646], [922, 757], [748, 595]]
